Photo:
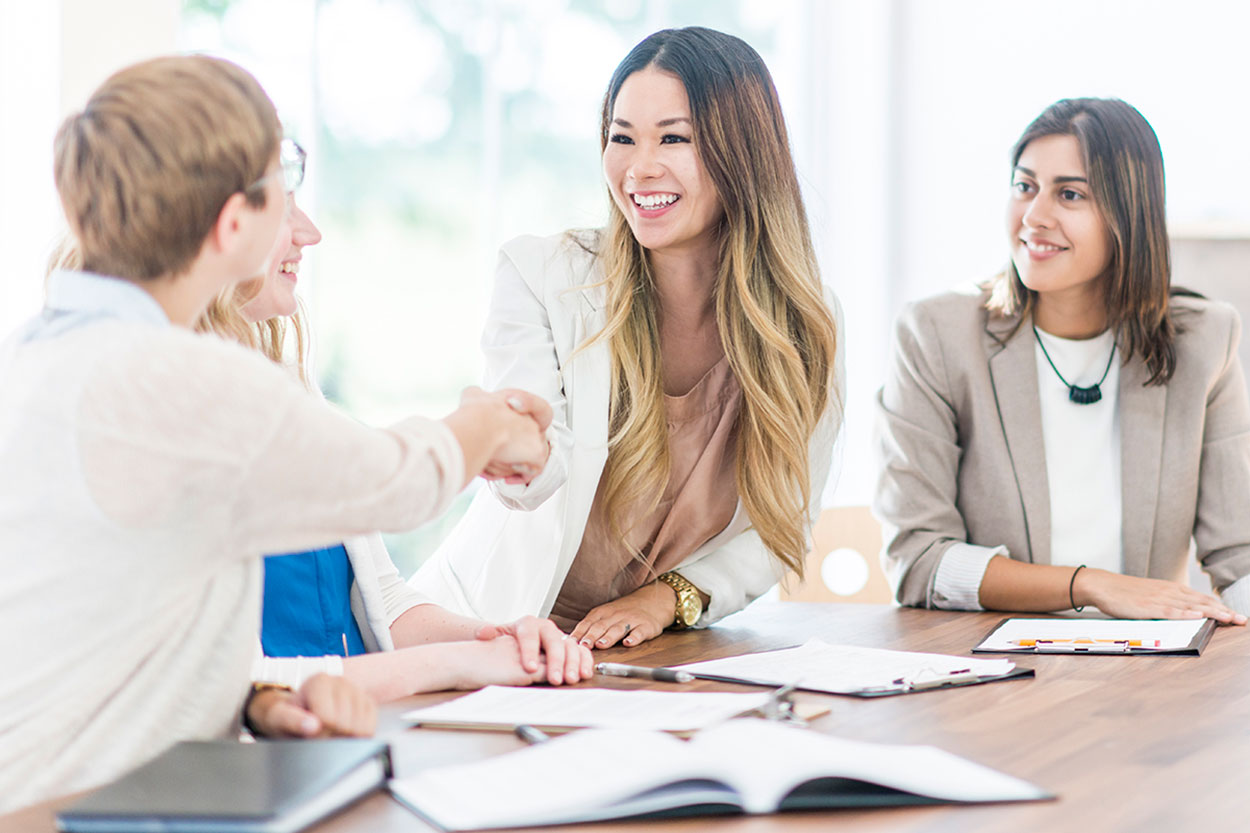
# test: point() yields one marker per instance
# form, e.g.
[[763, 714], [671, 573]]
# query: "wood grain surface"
[[1127, 743]]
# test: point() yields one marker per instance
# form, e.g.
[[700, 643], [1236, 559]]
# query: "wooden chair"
[[847, 531]]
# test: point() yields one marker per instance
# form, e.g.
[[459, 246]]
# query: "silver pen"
[[664, 675], [530, 735]]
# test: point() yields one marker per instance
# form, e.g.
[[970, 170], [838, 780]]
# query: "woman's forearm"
[[428, 623], [390, 675], [1037, 588]]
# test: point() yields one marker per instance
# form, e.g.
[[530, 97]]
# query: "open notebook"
[[744, 766]]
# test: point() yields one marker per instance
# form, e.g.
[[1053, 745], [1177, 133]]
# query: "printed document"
[[665, 711], [847, 669]]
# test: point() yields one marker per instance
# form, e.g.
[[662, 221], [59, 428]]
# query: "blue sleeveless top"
[[307, 609]]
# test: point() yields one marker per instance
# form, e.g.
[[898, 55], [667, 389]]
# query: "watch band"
[[257, 688], [688, 599]]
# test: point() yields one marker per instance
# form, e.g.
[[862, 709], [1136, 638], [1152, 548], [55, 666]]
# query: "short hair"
[[144, 170]]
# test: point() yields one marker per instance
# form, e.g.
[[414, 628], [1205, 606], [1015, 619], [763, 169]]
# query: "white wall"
[[902, 113], [29, 80], [975, 72], [926, 101], [52, 55]]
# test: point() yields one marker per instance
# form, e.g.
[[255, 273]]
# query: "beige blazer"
[[959, 429]]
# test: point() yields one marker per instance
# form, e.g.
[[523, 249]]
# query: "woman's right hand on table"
[[1133, 597]]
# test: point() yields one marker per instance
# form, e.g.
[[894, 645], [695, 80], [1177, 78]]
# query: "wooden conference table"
[[1127, 743]]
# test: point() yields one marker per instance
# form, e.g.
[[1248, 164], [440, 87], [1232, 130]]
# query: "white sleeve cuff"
[[293, 671], [1237, 595], [957, 585], [529, 496]]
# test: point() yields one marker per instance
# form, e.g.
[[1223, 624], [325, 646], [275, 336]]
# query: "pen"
[[664, 675], [531, 735], [1132, 643]]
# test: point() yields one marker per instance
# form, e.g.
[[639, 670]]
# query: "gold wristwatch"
[[689, 602], [259, 688]]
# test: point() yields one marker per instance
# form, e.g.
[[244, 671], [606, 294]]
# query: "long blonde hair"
[[225, 318], [775, 328]]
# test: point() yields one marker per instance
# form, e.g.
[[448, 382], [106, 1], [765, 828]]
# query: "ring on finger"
[[628, 628]]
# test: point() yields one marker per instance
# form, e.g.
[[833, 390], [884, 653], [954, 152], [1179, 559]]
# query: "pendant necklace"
[[1081, 396]]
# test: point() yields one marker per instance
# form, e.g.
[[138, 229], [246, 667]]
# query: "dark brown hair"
[[1124, 166]]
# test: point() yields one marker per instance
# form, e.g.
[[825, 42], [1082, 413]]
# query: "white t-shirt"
[[1082, 452]]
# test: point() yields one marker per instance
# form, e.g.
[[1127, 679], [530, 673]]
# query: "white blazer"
[[510, 554]]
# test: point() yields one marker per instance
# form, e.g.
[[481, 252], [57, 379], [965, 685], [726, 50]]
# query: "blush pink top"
[[698, 502]]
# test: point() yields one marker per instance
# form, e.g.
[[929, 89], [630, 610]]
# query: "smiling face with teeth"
[[1060, 245], [653, 169], [277, 295]]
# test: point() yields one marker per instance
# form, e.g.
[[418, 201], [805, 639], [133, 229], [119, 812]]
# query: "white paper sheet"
[[592, 707], [1154, 634], [847, 669]]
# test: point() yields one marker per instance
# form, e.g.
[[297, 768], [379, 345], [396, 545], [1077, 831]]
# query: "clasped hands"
[[324, 706], [522, 419], [533, 650], [536, 650]]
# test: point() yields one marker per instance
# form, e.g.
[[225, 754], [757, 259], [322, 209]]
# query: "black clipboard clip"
[[925, 679]]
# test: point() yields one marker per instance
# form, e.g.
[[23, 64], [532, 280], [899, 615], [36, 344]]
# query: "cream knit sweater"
[[145, 470]]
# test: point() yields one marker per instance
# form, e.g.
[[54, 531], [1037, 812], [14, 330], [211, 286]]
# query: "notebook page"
[[846, 669], [548, 783], [592, 707], [781, 758]]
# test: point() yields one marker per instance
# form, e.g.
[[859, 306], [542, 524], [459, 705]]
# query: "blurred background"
[[437, 129]]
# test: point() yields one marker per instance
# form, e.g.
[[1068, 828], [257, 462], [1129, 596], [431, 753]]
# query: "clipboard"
[[902, 685], [905, 686], [1099, 637], [893, 672]]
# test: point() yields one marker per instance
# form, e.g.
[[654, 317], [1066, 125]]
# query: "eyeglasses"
[[291, 158]]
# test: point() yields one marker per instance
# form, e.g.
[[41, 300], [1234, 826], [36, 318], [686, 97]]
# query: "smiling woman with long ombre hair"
[[1058, 439], [691, 355]]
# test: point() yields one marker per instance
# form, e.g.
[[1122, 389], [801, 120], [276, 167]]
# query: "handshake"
[[502, 434]]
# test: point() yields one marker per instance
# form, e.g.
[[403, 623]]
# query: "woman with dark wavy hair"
[[1058, 439]]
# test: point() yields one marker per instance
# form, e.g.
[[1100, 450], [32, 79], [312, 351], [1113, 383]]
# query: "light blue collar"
[[77, 299]]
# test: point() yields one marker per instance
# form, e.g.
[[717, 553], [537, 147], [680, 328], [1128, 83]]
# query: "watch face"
[[690, 610]]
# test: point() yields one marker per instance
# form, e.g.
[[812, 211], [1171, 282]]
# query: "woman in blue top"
[[344, 609]]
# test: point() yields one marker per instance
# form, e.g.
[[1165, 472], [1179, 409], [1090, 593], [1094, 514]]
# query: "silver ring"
[[628, 628]]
